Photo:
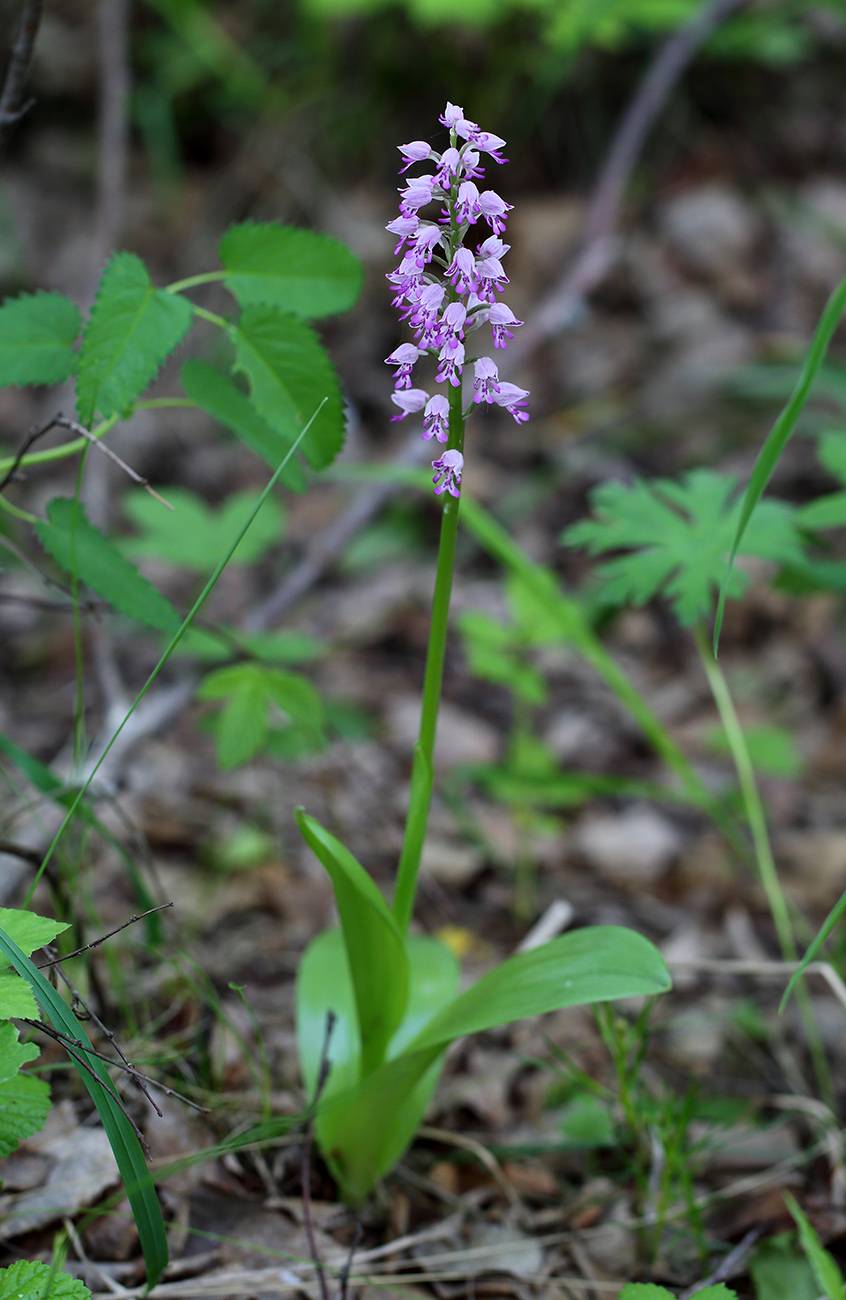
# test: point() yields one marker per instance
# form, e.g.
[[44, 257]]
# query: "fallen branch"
[[11, 108]]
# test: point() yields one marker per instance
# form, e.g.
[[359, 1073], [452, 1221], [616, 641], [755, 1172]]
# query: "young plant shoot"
[[394, 995]]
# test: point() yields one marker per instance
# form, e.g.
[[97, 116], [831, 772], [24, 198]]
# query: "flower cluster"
[[446, 291]]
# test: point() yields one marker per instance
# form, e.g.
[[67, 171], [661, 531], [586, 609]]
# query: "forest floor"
[[523, 1182]]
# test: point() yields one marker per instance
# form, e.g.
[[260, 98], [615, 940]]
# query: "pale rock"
[[450, 863], [461, 738], [634, 847], [712, 228]]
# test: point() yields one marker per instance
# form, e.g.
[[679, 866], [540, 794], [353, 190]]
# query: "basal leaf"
[[216, 393], [828, 1275], [36, 333], [289, 375], [24, 1104], [780, 1272], [132, 330], [298, 271], [122, 1138], [30, 1279], [194, 535], [81, 548], [374, 946]]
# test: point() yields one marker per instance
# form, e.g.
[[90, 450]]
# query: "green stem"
[[423, 767], [16, 512], [206, 277], [210, 316], [757, 821]]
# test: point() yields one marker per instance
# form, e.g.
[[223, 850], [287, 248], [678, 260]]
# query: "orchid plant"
[[377, 1007]]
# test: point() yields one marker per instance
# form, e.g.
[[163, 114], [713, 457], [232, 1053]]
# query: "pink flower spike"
[[513, 398], [462, 271], [493, 209], [436, 418], [448, 470], [417, 151], [404, 358], [409, 400], [503, 322], [486, 384]]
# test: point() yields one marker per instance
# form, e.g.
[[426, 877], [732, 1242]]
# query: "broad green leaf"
[[374, 946], [289, 375], [194, 535], [769, 454], [780, 1272], [36, 333], [24, 1104], [595, 964], [13, 1053], [323, 984], [30, 1279], [30, 932], [586, 1122], [824, 1266], [124, 1143], [216, 393], [252, 690], [677, 536], [590, 965], [645, 1291], [80, 548], [132, 330], [16, 998], [298, 271]]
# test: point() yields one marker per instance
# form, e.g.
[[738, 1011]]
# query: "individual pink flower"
[[462, 271], [448, 468], [503, 321], [486, 383], [493, 209], [436, 418], [450, 362], [513, 399], [416, 151], [409, 400], [403, 358]]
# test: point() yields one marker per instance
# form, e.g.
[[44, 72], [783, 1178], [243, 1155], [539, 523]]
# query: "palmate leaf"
[[216, 393], [122, 1138], [298, 271], [80, 548], [132, 330], [678, 536], [30, 1279], [36, 333], [194, 535], [289, 376], [250, 691]]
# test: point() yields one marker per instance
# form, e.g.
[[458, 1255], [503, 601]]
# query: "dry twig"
[[11, 107]]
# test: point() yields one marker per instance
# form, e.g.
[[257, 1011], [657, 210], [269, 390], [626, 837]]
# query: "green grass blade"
[[825, 930], [782, 429], [124, 1143]]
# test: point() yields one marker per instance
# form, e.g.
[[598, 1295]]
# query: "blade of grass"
[[122, 1138], [174, 642], [782, 429]]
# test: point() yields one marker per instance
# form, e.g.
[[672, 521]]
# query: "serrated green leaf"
[[132, 330], [36, 333], [13, 1053], [216, 393], [645, 1291], [493, 653], [16, 998], [29, 931], [824, 1266], [678, 536], [194, 535], [289, 375], [24, 1105], [79, 547], [122, 1138], [30, 1279], [298, 271], [374, 946]]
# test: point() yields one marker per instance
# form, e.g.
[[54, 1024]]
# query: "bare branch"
[[11, 108], [95, 943]]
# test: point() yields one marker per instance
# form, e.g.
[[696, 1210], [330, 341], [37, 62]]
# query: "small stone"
[[712, 228], [461, 738], [450, 863], [633, 848]]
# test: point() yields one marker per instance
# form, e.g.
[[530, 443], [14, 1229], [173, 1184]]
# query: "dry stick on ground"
[[95, 943], [11, 108]]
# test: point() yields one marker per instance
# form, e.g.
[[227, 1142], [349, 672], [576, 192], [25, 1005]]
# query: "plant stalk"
[[423, 767]]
